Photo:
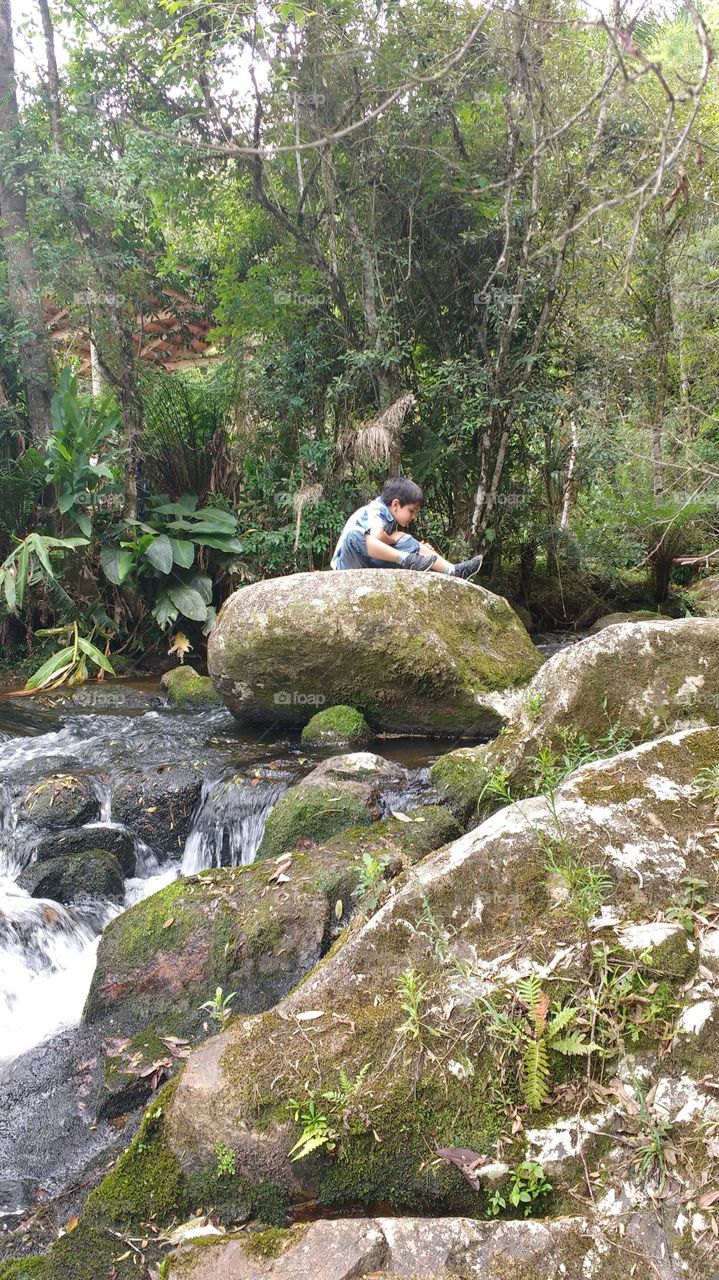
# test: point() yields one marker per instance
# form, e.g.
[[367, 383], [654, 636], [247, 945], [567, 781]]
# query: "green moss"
[[271, 1243], [459, 776], [142, 927], [314, 813], [337, 726], [186, 688], [82, 1254], [147, 1179], [150, 1048], [233, 1199], [31, 1268], [265, 936]]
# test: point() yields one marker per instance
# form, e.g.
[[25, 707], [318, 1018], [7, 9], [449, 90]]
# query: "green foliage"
[[226, 1160], [526, 1187], [69, 665], [219, 1007], [30, 564], [82, 430], [163, 556], [370, 872], [413, 999], [321, 1124], [707, 782], [587, 886], [496, 788]]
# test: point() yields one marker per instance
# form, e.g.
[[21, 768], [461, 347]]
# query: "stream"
[[115, 739]]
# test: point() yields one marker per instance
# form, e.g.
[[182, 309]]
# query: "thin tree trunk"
[[23, 280], [53, 80], [569, 482]]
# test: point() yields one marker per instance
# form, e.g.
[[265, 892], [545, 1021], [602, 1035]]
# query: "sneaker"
[[413, 560], [468, 568]]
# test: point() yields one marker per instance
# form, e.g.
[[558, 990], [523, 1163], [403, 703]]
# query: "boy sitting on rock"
[[371, 539]]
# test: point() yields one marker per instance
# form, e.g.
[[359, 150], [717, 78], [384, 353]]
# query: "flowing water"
[[105, 738]]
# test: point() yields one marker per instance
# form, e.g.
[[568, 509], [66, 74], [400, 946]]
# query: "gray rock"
[[417, 653], [96, 835], [75, 877], [157, 805], [60, 800]]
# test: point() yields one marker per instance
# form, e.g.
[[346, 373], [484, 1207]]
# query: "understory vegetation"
[[270, 292]]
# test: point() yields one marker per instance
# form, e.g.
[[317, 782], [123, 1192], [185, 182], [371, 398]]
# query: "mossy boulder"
[[97, 835], [415, 653], [337, 726], [614, 619], [446, 933], [309, 815], [237, 928], [157, 804], [60, 800], [705, 596], [75, 877], [628, 683], [185, 688], [132, 1069]]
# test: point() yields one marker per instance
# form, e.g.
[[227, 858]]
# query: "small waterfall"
[[229, 823], [47, 957]]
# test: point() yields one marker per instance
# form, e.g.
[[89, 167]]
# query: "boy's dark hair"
[[404, 490]]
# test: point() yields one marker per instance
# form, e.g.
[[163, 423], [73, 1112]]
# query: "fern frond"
[[310, 1142], [535, 1074], [573, 1044], [529, 991], [560, 1020]]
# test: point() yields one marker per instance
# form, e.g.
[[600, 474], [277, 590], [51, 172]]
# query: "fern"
[[572, 1045], [535, 1074], [529, 991], [560, 1021]]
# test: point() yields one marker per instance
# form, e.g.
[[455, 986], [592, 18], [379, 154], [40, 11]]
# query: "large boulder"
[[391, 1038], [415, 653], [705, 595], [628, 683], [186, 688]]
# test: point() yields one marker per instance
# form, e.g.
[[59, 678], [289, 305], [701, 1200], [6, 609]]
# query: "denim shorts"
[[353, 552]]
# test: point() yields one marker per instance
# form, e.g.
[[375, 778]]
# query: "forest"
[[255, 258]]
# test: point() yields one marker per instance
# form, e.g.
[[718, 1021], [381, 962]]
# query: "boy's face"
[[404, 515]]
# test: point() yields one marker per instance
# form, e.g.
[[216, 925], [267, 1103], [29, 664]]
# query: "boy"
[[371, 539]]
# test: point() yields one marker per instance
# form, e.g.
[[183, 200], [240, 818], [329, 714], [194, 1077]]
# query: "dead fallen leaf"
[[401, 817], [309, 1015], [169, 922], [708, 1199], [72, 1223], [468, 1162]]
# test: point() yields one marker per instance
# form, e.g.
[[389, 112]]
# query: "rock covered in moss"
[[614, 619], [308, 815], [95, 835], [238, 928], [417, 653], [467, 922], [75, 877], [186, 688], [337, 726], [157, 803], [705, 595], [60, 800], [629, 682], [132, 1069]]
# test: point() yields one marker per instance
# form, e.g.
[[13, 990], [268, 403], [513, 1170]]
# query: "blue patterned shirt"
[[362, 520]]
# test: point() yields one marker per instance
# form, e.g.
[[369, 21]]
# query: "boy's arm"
[[379, 532]]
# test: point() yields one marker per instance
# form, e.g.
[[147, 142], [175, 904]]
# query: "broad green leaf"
[[65, 501], [21, 581], [8, 578], [116, 564], [159, 553], [62, 659], [216, 516], [202, 583], [82, 520], [218, 542], [188, 601], [183, 553], [164, 611], [37, 544], [95, 654]]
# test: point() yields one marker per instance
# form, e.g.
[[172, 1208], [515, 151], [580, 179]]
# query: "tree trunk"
[[53, 80], [23, 280]]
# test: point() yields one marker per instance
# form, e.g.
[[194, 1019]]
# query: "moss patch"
[[310, 813], [337, 726], [186, 688], [146, 1181]]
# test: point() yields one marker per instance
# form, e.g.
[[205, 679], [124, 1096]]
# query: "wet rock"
[[96, 835], [157, 805], [134, 1067], [308, 815], [417, 653], [243, 929], [108, 697], [60, 800], [338, 726], [185, 688], [75, 877], [631, 681]]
